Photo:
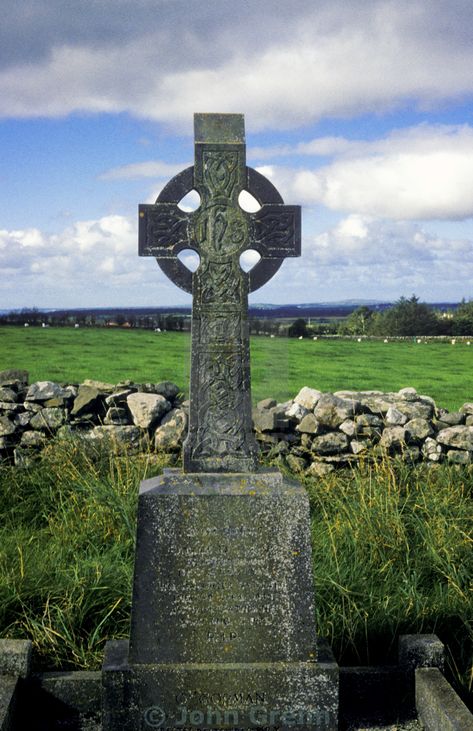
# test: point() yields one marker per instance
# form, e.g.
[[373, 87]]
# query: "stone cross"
[[220, 435]]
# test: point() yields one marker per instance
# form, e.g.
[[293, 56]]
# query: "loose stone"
[[330, 443], [418, 429], [147, 409], [460, 437], [308, 398]]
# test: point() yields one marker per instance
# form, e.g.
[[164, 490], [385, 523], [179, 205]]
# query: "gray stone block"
[[15, 657], [8, 691], [223, 614], [421, 651], [438, 706], [222, 570]]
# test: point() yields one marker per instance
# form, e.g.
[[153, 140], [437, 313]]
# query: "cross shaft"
[[220, 435]]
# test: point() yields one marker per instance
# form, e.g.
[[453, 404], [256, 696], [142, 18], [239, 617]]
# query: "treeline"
[[407, 317], [96, 318]]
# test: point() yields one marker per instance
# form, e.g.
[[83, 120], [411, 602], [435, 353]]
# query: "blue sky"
[[359, 111]]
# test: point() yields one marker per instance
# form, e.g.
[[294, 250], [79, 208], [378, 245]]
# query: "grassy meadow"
[[392, 544], [392, 550], [279, 366]]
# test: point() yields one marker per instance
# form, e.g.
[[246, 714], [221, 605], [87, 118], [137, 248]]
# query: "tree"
[[298, 329], [408, 317], [358, 322], [462, 323]]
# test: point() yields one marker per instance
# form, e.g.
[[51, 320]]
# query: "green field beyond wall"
[[279, 366]]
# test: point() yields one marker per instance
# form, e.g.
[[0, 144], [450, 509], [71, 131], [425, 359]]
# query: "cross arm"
[[162, 230], [277, 231]]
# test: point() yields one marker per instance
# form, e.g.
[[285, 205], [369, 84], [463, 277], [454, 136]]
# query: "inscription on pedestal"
[[232, 580]]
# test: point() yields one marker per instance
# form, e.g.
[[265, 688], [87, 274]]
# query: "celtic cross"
[[220, 437]]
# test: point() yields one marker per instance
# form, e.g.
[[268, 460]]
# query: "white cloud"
[[425, 172], [89, 263], [95, 263], [284, 64], [366, 257]]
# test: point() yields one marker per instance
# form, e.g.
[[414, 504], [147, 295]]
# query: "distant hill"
[[340, 308]]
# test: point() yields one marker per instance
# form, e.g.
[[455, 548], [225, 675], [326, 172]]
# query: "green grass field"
[[280, 366]]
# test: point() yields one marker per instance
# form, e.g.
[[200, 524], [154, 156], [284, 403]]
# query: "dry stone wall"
[[313, 433]]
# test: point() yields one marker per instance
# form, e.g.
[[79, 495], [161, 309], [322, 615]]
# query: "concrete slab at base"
[[438, 706], [8, 689], [283, 695], [15, 657]]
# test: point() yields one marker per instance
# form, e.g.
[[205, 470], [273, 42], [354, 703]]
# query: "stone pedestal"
[[222, 629]]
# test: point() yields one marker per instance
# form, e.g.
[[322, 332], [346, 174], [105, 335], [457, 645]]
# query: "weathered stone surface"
[[452, 418], [264, 419], [394, 417], [460, 437], [8, 395], [348, 427], [171, 432], [409, 393], [118, 398], [417, 430], [415, 409], [7, 427], [44, 390], [309, 425], [296, 412], [32, 407], [168, 389], [458, 456], [147, 409], [100, 386], [331, 411], [393, 437], [220, 436], [15, 656], [266, 403], [359, 446], [252, 526], [467, 408], [116, 415], [129, 437], [319, 469], [48, 419], [431, 450], [281, 448], [88, 399], [33, 439], [369, 425], [438, 706], [308, 398], [469, 420], [55, 402], [22, 419], [14, 377], [11, 408], [332, 443]]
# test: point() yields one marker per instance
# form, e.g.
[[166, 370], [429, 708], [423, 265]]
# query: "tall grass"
[[66, 551], [392, 549]]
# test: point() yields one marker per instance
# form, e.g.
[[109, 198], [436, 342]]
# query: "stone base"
[[223, 620], [285, 695]]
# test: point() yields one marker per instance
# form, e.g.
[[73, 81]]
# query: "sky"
[[358, 110]]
